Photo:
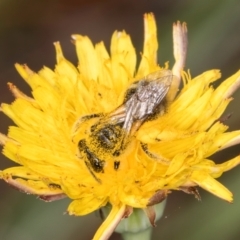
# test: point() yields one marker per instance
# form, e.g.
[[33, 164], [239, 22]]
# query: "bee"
[[110, 134]]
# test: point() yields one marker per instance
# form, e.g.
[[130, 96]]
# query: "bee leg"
[[116, 165], [92, 173], [84, 119], [153, 155], [145, 149]]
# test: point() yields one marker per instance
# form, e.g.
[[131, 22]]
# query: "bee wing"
[[145, 97], [149, 94]]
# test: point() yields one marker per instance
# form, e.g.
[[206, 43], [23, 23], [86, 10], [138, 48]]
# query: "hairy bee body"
[[111, 133]]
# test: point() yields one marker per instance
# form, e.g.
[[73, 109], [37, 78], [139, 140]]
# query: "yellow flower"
[[55, 149]]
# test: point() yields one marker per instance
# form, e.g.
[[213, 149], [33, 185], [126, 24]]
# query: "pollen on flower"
[[109, 132]]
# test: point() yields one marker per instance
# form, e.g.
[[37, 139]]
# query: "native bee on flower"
[[110, 134]]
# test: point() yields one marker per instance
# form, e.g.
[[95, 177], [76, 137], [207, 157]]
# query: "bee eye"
[[95, 162]]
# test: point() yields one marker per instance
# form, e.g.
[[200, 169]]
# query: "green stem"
[[137, 226], [141, 235]]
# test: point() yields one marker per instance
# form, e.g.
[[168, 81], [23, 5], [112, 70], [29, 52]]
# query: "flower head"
[[79, 135]]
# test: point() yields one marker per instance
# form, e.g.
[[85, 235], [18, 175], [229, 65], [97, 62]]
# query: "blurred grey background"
[[27, 31]]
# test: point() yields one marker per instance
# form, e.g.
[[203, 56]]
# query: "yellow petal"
[[217, 170], [33, 79], [123, 52], [88, 65], [148, 62], [111, 222], [86, 205], [211, 185]]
